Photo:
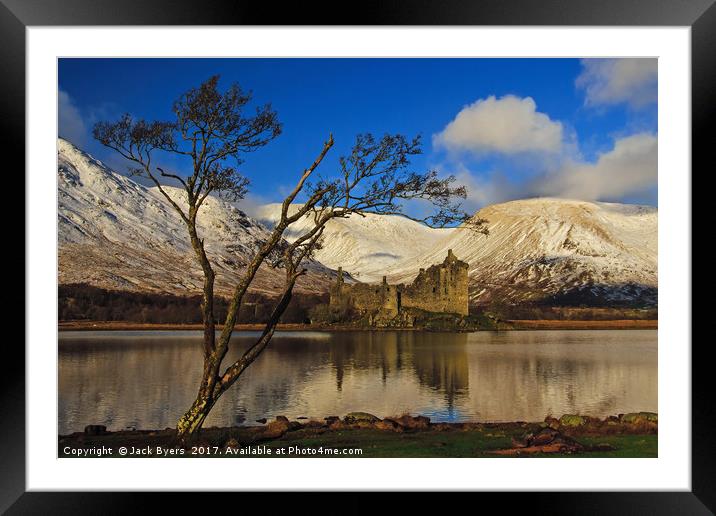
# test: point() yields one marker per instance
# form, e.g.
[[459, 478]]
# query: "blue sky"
[[507, 128]]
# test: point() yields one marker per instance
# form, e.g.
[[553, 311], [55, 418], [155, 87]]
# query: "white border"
[[670, 471]]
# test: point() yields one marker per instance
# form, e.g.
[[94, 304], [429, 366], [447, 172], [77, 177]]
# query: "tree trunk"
[[191, 422], [207, 299]]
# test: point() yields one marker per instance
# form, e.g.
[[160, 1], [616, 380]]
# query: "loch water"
[[146, 379]]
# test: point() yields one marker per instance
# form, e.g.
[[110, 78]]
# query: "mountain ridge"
[[363, 245], [547, 249], [116, 234]]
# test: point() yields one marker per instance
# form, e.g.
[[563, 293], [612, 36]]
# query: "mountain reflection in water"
[[146, 379]]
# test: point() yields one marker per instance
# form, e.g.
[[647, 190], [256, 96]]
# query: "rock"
[[612, 420], [414, 423], [337, 424], [232, 443], [652, 417], [294, 425], [522, 442], [330, 419], [275, 429], [544, 436], [422, 421], [282, 418], [552, 422], [388, 424], [546, 440], [572, 420], [640, 417], [95, 430], [262, 420], [301, 417], [442, 427], [356, 417]]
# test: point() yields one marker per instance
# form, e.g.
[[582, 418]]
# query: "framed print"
[[444, 248]]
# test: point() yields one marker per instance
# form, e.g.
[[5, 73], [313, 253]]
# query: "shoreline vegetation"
[[523, 324], [625, 435]]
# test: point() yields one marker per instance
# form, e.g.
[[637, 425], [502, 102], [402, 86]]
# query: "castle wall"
[[382, 297], [363, 296], [440, 288], [339, 293]]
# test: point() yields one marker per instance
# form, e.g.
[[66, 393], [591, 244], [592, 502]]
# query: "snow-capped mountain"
[[564, 250], [365, 246], [117, 234]]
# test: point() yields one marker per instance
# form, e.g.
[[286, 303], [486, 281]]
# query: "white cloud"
[[629, 168], [483, 189], [70, 124], [616, 81], [508, 125]]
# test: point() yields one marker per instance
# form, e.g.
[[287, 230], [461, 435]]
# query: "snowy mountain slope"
[[115, 233], [580, 251], [364, 246]]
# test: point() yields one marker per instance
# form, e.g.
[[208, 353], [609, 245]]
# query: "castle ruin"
[[441, 288]]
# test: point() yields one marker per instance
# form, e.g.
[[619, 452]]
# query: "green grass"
[[457, 443], [477, 442]]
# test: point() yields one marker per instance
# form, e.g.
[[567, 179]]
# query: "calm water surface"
[[147, 379]]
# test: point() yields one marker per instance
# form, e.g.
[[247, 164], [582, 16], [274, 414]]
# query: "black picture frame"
[[17, 15]]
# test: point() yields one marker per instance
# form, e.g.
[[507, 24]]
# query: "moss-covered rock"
[[572, 420], [640, 417], [360, 417]]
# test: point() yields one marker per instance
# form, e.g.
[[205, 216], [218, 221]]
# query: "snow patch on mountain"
[[115, 233], [365, 246], [554, 248]]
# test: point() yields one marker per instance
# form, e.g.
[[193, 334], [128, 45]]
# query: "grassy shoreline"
[[630, 435], [511, 325]]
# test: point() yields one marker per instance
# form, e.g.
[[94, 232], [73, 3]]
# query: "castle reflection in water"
[[146, 380]]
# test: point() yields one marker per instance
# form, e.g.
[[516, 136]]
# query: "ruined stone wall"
[[340, 298], [364, 297], [381, 297], [440, 288]]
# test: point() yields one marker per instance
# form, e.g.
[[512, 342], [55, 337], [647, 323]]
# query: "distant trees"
[[86, 302], [212, 131]]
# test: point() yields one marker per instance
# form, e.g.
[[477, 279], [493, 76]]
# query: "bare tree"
[[212, 132]]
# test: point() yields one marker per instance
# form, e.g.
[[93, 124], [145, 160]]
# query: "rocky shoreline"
[[632, 434]]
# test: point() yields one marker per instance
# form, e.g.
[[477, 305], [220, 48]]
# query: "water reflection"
[[146, 379]]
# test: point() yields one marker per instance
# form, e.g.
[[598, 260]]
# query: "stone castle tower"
[[440, 288]]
